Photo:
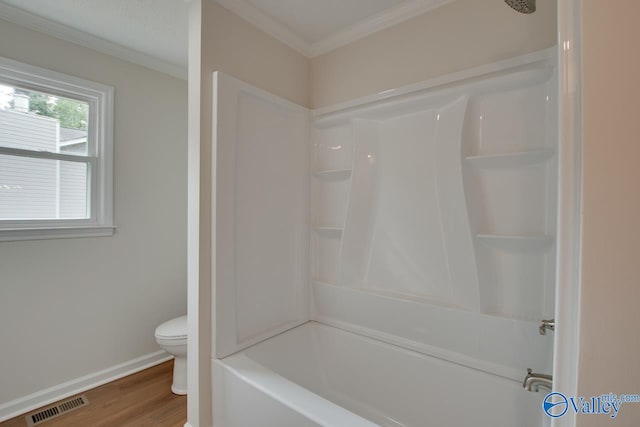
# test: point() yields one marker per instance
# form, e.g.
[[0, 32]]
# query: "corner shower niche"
[[332, 169], [417, 226], [510, 172]]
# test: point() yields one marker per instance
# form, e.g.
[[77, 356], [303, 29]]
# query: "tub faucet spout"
[[533, 382]]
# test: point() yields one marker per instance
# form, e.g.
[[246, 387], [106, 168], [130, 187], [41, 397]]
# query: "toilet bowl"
[[172, 338]]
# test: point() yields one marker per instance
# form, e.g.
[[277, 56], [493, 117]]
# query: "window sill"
[[67, 232]]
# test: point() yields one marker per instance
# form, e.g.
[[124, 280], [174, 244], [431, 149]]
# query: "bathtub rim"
[[286, 392]]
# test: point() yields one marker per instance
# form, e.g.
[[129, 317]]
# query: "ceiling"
[[316, 20], [157, 28], [154, 32]]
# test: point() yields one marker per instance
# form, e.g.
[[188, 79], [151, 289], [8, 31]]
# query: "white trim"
[[104, 184], [63, 32], [359, 30], [569, 249], [16, 234], [100, 99], [45, 397]]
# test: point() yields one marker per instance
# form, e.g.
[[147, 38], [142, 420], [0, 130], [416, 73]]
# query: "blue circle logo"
[[555, 405]]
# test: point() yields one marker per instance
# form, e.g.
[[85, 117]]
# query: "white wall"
[[610, 318], [454, 37], [72, 307]]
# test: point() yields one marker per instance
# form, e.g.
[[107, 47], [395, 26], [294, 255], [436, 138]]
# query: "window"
[[56, 154]]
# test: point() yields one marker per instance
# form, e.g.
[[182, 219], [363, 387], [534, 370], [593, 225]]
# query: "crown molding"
[[375, 23], [267, 24], [368, 26], [37, 23], [241, 8]]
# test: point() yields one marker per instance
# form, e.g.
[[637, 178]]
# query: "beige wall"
[[221, 41], [610, 314], [72, 307], [461, 35], [235, 47]]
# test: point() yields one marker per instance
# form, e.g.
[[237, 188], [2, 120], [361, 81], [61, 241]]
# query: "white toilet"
[[172, 337]]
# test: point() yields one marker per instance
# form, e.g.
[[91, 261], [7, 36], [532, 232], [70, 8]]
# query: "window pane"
[[39, 121], [42, 189]]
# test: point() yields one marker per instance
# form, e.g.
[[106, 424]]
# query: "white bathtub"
[[317, 375]]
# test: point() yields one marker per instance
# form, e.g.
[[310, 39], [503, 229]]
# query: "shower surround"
[[387, 261]]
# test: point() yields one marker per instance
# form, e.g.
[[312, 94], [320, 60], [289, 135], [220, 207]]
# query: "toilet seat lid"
[[173, 329]]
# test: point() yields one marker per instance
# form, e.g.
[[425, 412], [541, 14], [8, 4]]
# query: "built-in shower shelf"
[[335, 232], [517, 243], [333, 173], [511, 160]]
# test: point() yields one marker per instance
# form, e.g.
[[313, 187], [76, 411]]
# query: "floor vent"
[[56, 410]]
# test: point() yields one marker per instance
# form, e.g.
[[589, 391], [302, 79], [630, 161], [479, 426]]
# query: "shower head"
[[522, 6]]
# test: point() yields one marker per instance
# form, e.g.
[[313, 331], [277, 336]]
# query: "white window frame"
[[99, 157]]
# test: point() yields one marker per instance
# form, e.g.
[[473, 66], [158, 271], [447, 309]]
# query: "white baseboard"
[[47, 396]]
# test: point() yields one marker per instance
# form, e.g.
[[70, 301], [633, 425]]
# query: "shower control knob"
[[547, 324]]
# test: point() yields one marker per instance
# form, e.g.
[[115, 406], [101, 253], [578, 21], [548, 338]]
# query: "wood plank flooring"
[[139, 400]]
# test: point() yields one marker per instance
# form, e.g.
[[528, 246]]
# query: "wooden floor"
[[140, 400]]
